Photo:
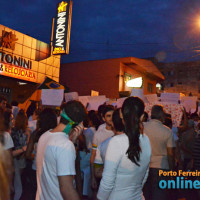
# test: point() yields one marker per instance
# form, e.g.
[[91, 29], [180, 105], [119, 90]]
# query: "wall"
[[100, 75], [135, 74], [181, 77], [147, 80]]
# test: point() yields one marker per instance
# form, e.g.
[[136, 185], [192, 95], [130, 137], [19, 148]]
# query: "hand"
[[24, 148], [93, 183], [86, 150]]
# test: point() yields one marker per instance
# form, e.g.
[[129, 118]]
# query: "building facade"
[[24, 62], [181, 77], [109, 76]]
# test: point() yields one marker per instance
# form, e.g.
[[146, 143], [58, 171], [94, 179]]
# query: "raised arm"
[[185, 123]]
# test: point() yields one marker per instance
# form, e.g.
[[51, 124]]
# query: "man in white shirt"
[[101, 149], [163, 153], [99, 137], [56, 158]]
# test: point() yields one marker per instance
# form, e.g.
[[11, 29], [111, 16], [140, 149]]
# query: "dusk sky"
[[165, 29]]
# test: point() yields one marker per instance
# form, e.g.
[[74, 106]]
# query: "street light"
[[198, 22]]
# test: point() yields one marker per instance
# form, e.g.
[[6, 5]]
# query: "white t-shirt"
[[101, 151], [102, 126], [32, 125], [100, 136], [56, 157], [8, 142], [122, 179]]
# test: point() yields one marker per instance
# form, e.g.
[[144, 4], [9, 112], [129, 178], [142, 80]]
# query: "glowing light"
[[198, 22], [22, 83], [136, 82], [158, 86]]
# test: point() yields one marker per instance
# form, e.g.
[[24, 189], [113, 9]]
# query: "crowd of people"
[[109, 154]]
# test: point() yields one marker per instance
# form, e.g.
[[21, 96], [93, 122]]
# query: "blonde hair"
[[4, 165]]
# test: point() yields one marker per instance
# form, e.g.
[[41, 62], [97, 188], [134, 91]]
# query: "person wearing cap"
[[56, 157]]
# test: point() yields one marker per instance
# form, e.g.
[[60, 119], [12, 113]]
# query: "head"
[[31, 108], [100, 112], [194, 116], [168, 122], [14, 103], [36, 114], [8, 117], [117, 121], [47, 119], [93, 119], [132, 113], [21, 120], [8, 107], [107, 115], [73, 113], [145, 117], [2, 124], [3, 102], [157, 112]]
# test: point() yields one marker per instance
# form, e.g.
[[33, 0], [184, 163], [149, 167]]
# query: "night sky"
[[165, 29]]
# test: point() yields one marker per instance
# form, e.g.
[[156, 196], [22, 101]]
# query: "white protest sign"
[[71, 96], [52, 97], [101, 97], [151, 98], [176, 111], [137, 93], [120, 102], [84, 100], [170, 97], [189, 103], [96, 101]]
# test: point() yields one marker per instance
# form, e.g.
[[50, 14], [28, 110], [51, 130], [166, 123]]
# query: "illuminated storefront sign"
[[16, 67], [15, 60], [61, 36], [17, 72]]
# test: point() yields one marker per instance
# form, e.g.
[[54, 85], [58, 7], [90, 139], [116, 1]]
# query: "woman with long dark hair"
[[20, 135], [127, 157], [47, 120]]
